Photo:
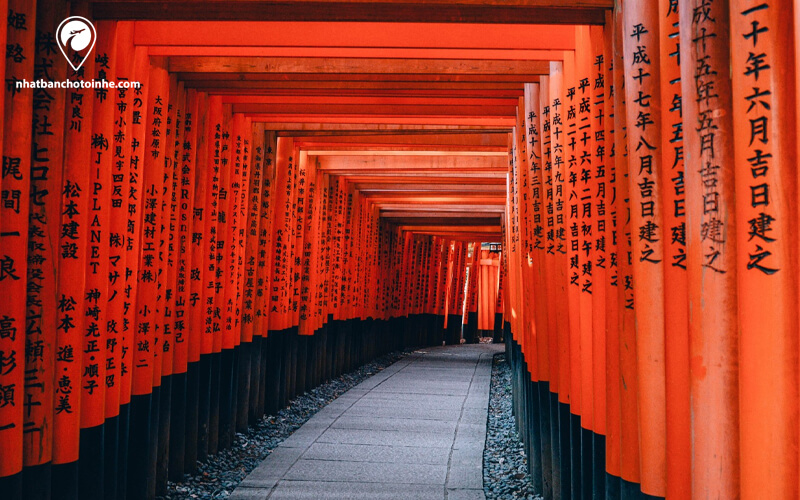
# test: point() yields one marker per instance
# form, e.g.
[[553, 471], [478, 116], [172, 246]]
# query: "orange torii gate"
[[269, 211]]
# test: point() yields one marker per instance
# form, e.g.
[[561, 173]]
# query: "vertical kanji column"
[[134, 100], [676, 307], [119, 330], [558, 134], [630, 469], [43, 234], [72, 265], [642, 87], [95, 333], [198, 249], [15, 187], [208, 298], [710, 247], [548, 132], [188, 175], [251, 269], [764, 118], [144, 409], [599, 188], [612, 306]]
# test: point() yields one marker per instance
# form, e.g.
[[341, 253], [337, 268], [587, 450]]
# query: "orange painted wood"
[[710, 248], [239, 181], [199, 238], [641, 43], [44, 231], [308, 217], [614, 219], [548, 131], [169, 218], [440, 12], [572, 230], [154, 116], [164, 141], [628, 381], [517, 236], [265, 210], [226, 223], [223, 338], [96, 288], [211, 305], [120, 333], [676, 307], [295, 241], [137, 128], [14, 204], [384, 35], [253, 280], [244, 153], [281, 233], [600, 117], [190, 175], [73, 251], [381, 66], [584, 203], [558, 113], [764, 127], [536, 245]]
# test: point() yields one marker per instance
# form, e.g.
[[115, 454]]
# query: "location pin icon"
[[76, 37]]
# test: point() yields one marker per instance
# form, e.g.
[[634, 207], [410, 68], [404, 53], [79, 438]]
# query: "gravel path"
[[505, 468], [217, 477]]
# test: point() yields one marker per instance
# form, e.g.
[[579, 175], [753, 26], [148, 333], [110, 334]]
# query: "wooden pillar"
[[600, 111], [44, 230], [142, 456], [249, 291], [629, 379], [642, 88], [614, 137], [15, 188], [676, 307], [96, 289], [221, 405], [764, 127], [207, 296], [135, 101], [120, 333], [188, 176], [710, 248]]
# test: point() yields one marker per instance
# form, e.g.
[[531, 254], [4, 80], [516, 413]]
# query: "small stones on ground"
[[505, 468], [221, 473]]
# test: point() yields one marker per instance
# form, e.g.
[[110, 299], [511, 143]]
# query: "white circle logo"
[[74, 35]]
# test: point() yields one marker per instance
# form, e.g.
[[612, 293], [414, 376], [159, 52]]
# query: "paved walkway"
[[416, 430]]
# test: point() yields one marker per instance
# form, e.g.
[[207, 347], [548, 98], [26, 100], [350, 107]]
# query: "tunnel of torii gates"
[[298, 187]]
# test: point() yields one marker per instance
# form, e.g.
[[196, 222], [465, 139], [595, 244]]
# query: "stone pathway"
[[415, 430]]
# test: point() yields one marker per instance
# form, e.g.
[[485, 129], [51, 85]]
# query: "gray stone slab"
[[466, 456], [340, 490], [243, 493], [385, 454], [423, 404], [465, 477], [395, 424], [461, 494], [377, 398], [367, 472], [448, 415], [474, 416], [414, 430], [389, 438]]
